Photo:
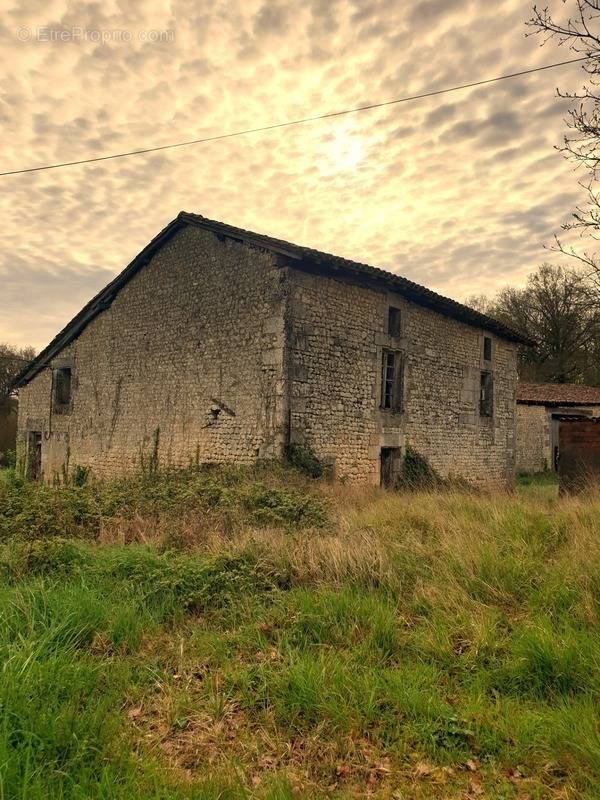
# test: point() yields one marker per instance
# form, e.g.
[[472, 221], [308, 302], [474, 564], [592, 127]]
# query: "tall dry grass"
[[243, 622]]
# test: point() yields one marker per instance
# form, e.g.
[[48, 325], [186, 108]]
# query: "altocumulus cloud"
[[459, 192]]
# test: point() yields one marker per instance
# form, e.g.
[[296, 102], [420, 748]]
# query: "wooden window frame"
[[392, 381], [486, 394], [62, 399]]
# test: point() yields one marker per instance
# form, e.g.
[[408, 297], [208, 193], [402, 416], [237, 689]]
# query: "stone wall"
[[186, 364], [337, 332], [217, 350], [534, 451]]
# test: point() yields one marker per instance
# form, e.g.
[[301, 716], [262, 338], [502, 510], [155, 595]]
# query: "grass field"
[[249, 633]]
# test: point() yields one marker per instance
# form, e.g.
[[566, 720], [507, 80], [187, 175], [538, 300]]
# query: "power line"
[[289, 123]]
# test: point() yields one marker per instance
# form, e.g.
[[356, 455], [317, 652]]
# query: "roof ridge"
[[467, 314], [412, 290]]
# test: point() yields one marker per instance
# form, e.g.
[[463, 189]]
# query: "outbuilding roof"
[[301, 257], [558, 394]]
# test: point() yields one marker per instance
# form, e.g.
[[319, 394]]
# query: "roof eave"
[[558, 404], [300, 257]]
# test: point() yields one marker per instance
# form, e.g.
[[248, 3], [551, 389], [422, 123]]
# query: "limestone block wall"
[[337, 332], [219, 351], [533, 439], [187, 363]]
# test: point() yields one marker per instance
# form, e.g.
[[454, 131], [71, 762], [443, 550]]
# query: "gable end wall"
[[189, 355]]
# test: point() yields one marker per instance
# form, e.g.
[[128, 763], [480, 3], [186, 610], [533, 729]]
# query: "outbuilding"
[[541, 410]]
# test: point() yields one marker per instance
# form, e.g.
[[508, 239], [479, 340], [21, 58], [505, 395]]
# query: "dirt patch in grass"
[[314, 765], [317, 766]]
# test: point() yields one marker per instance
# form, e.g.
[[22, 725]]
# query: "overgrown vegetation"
[[304, 459], [201, 498], [12, 361], [427, 645], [416, 472]]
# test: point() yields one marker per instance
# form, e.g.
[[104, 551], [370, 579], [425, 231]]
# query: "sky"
[[459, 192]]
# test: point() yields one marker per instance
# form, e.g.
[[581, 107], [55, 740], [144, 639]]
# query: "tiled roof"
[[557, 394], [301, 257], [364, 273]]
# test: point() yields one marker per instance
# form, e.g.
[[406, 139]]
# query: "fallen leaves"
[[134, 713], [423, 769], [475, 786]]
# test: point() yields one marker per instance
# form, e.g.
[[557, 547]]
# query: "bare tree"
[[12, 361], [581, 32], [559, 311]]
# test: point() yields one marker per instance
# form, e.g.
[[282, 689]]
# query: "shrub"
[[80, 475], [10, 459], [47, 556], [303, 459], [283, 507], [416, 472], [81, 508], [187, 582]]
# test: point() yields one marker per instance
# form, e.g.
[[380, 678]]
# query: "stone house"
[[221, 345], [541, 409]]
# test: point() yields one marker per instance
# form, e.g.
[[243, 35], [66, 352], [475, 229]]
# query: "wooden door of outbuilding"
[[579, 452]]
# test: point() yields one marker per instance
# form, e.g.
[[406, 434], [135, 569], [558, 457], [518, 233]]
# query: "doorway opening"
[[34, 455], [390, 466]]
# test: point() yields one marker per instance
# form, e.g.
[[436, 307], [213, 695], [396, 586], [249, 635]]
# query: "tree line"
[[12, 361], [559, 308]]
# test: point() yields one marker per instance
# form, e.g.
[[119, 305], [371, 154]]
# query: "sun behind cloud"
[[459, 192], [344, 151]]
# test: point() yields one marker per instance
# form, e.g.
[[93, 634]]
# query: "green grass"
[[418, 645], [544, 485], [547, 478]]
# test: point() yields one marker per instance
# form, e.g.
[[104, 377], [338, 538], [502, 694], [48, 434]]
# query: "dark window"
[[62, 388], [486, 394], [394, 321], [392, 380], [487, 348]]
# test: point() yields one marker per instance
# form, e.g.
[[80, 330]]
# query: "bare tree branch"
[[581, 33]]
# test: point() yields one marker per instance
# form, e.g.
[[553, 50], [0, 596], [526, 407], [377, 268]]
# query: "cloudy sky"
[[458, 192]]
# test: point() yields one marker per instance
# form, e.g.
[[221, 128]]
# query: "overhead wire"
[[289, 123]]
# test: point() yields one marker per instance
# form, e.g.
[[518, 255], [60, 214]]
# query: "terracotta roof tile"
[[557, 394]]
